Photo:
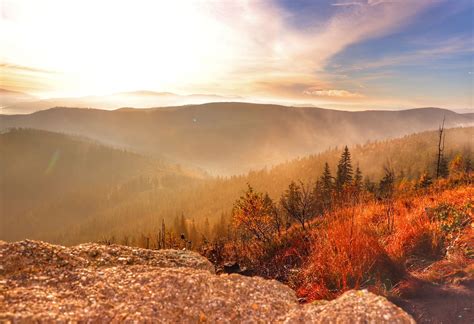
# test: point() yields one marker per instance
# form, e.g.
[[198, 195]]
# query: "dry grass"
[[372, 245]]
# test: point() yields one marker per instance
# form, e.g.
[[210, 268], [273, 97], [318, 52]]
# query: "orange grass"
[[358, 246]]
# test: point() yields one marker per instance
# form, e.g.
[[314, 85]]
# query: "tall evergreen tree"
[[344, 170], [387, 184], [325, 187], [358, 179], [193, 235], [206, 230]]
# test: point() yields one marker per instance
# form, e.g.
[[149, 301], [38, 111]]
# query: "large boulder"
[[33, 256], [353, 306], [90, 282]]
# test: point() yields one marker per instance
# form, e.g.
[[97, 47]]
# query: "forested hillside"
[[232, 138], [70, 190], [51, 182]]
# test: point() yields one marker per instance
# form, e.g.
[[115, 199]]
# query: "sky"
[[354, 54]]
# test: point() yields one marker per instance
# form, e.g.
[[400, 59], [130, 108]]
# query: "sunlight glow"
[[106, 46], [260, 50]]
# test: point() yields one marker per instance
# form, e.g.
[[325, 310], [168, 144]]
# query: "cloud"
[[26, 78], [273, 46], [357, 3], [241, 46], [345, 4], [271, 56], [419, 56], [22, 68], [358, 24], [335, 93]]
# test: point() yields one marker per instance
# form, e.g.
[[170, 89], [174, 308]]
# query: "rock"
[[352, 307], [167, 286], [110, 255]]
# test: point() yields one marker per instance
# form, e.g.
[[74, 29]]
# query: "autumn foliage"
[[366, 239]]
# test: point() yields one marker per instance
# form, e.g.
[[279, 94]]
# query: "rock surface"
[[91, 282], [353, 306]]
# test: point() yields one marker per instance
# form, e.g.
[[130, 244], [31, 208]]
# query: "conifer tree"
[[358, 179], [325, 187], [206, 230], [387, 184], [193, 235], [344, 170]]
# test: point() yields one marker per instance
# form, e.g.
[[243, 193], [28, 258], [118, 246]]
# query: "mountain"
[[49, 181], [137, 99], [230, 138]]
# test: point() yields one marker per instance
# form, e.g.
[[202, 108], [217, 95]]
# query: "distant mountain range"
[[13, 102], [230, 138], [20, 103]]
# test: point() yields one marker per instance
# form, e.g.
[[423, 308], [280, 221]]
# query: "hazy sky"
[[339, 53]]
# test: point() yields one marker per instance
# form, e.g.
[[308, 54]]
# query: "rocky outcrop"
[[91, 282], [32, 256]]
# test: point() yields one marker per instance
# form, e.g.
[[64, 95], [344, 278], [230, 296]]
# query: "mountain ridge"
[[231, 138], [138, 99]]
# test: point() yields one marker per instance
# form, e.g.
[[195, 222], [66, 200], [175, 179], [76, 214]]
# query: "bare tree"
[[441, 136], [299, 202]]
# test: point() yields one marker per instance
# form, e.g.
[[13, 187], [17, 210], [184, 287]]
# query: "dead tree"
[[441, 136]]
